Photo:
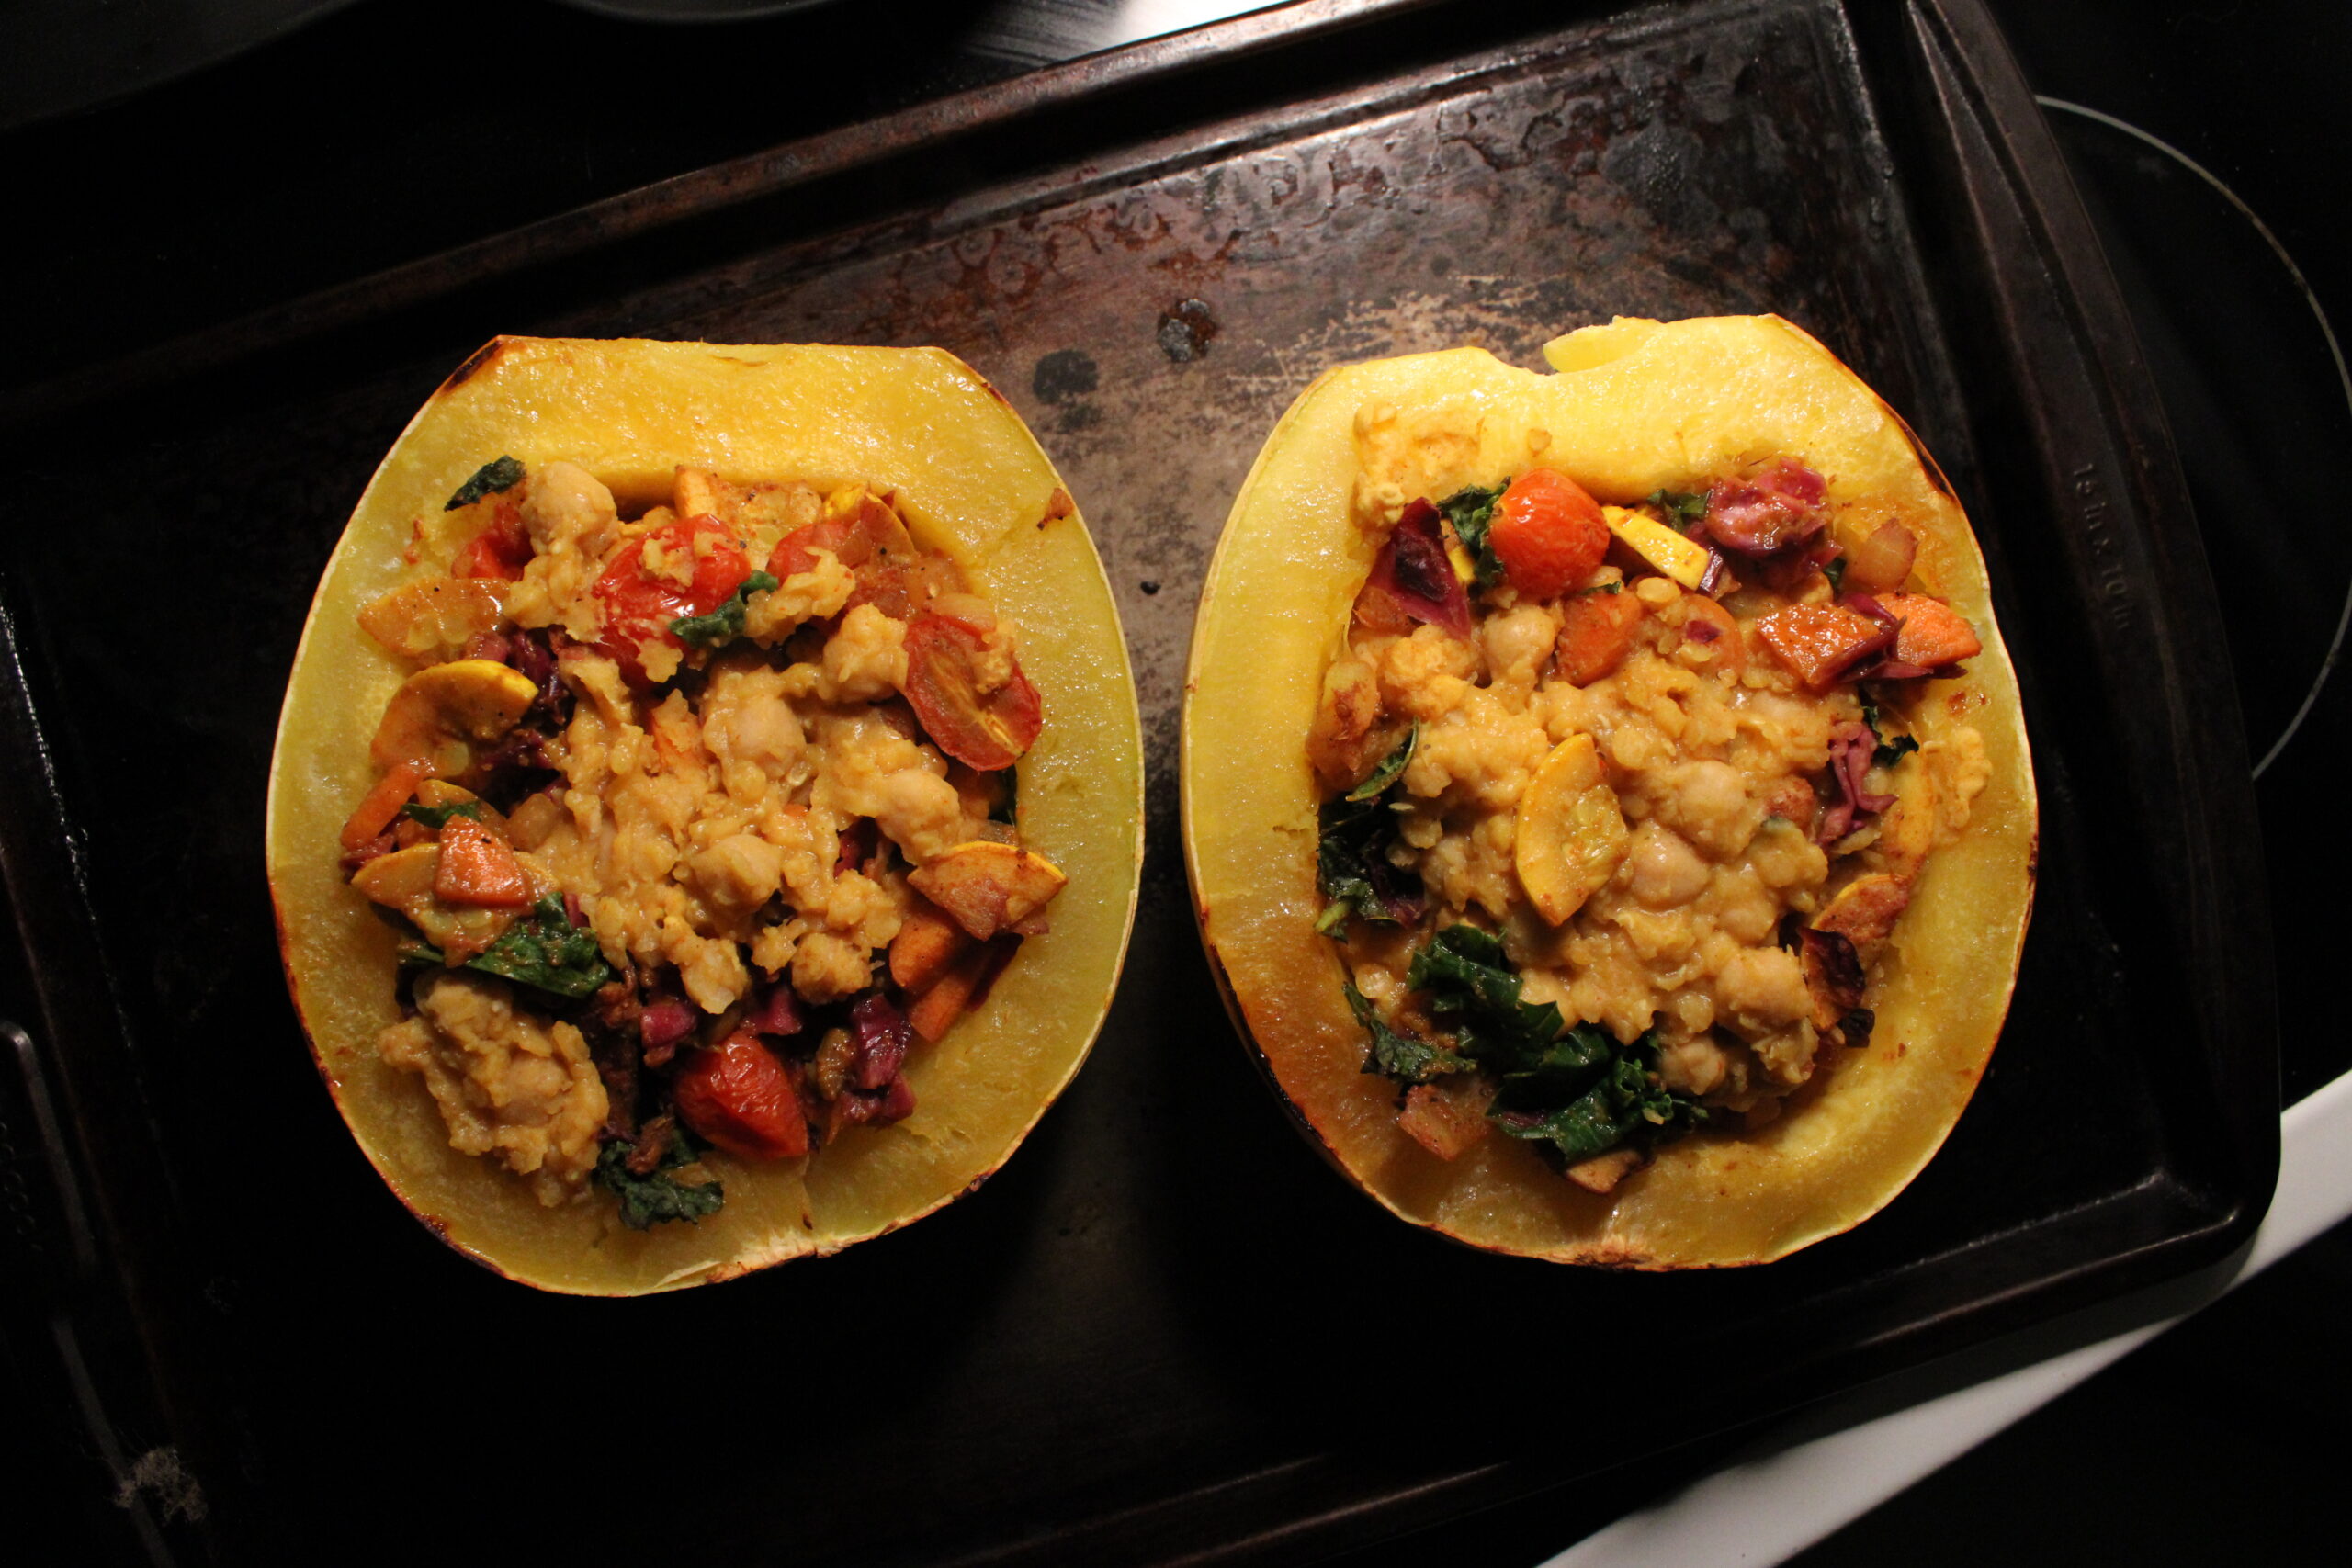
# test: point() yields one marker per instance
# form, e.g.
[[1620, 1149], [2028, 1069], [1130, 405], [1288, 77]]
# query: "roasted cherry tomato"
[[1548, 533], [795, 553], [640, 605], [990, 729], [501, 550], [739, 1096]]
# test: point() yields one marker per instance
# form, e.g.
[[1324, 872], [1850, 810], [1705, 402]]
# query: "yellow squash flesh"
[[1634, 407], [974, 484]]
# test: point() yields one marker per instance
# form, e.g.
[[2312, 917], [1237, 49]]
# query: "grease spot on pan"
[[1065, 373]]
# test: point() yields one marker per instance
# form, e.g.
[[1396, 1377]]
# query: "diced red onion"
[[875, 1108], [664, 1022], [883, 1034], [1850, 746], [1866, 604], [1715, 573], [778, 1012], [1415, 570], [1779, 507]]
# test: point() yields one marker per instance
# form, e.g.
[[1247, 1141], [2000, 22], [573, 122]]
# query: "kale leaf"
[[1391, 769], [1622, 1100], [1834, 570], [1887, 753], [438, 817], [1472, 513], [647, 1200], [1399, 1056], [724, 624], [1008, 810], [1470, 983], [1576, 1090], [547, 951], [1682, 508], [500, 473], [1352, 856]]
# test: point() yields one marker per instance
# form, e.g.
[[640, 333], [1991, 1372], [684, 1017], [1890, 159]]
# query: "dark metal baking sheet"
[[1166, 1332]]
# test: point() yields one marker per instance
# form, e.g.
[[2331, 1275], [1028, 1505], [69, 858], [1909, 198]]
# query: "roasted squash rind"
[[1635, 407], [977, 485]]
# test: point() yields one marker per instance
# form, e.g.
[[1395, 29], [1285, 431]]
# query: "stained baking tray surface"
[[1166, 1330]]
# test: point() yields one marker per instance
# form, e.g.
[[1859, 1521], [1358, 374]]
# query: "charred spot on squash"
[[476, 362]]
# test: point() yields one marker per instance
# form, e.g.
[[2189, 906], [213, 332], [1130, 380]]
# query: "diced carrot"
[[381, 804], [964, 985], [1548, 533], [1819, 643], [476, 868], [1933, 634], [928, 942], [1596, 630]]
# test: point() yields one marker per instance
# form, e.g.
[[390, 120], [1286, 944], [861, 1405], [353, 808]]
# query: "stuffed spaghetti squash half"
[[1606, 792], [704, 820]]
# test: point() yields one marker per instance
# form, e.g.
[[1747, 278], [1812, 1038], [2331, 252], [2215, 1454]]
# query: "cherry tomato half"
[[739, 1095], [984, 730], [1548, 533], [639, 606]]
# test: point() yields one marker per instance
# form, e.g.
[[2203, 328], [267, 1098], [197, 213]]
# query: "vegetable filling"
[[699, 824], [1622, 803]]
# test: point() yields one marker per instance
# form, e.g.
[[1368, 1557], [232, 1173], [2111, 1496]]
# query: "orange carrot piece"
[[475, 868], [1933, 634], [964, 985], [1818, 642], [927, 943], [1595, 631], [381, 804]]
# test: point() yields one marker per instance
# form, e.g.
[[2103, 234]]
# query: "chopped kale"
[[1470, 983], [724, 624], [1352, 858], [1598, 588], [1576, 1090], [1008, 810], [418, 955], [543, 950], [1683, 509], [438, 817], [1888, 751], [1472, 513], [501, 473], [1391, 768], [647, 1200], [1623, 1099], [1399, 1056], [1834, 570]]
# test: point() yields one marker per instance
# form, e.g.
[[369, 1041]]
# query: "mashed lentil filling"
[[691, 850], [1622, 805]]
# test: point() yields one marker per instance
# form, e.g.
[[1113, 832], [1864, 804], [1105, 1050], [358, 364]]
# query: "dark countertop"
[[324, 142]]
